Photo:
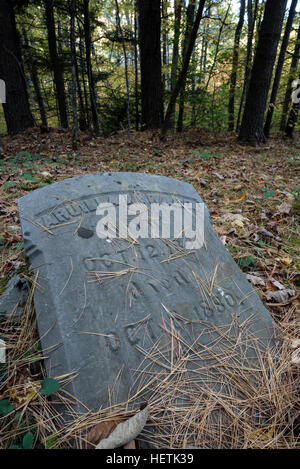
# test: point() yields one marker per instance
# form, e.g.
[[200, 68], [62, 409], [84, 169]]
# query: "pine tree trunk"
[[74, 83], [150, 58], [118, 20], [190, 13], [136, 69], [87, 35], [178, 6], [182, 76], [279, 67], [293, 117], [16, 110], [33, 70], [292, 76], [56, 65], [251, 25], [252, 131], [235, 62]]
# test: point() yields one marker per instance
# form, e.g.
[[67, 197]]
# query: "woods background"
[[106, 65]]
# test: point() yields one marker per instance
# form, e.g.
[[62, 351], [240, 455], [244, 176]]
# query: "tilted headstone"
[[103, 303]]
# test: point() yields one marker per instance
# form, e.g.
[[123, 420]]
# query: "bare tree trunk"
[[190, 13], [87, 35], [33, 70], [293, 116], [178, 6], [235, 62], [292, 76], [252, 128], [150, 53], [183, 72], [126, 65], [279, 67], [136, 69], [56, 65], [16, 110], [251, 25], [73, 62]]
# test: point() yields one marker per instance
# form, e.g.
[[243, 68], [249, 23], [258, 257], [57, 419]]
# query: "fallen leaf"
[[236, 219], [281, 296], [284, 208], [125, 431], [103, 430], [243, 197], [255, 280]]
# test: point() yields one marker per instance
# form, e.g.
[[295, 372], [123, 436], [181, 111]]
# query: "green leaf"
[[5, 407], [49, 386], [15, 447], [7, 185], [27, 442]]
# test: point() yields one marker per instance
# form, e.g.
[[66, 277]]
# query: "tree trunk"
[[292, 76], [293, 116], [251, 24], [56, 65], [33, 70], [87, 35], [16, 109], [182, 76], [178, 6], [150, 58], [253, 119], [136, 70], [73, 63], [190, 13], [126, 64], [279, 67], [235, 62]]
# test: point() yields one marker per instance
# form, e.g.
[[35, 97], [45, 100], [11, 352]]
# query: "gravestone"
[[105, 306]]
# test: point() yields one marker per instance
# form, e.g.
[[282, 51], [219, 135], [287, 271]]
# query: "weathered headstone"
[[102, 304]]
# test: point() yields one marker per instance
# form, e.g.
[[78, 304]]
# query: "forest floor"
[[253, 195]]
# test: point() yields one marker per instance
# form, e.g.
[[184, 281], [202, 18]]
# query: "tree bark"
[[190, 13], [292, 76], [293, 116], [87, 35], [235, 62], [33, 70], [183, 73], [279, 67], [251, 25], [126, 65], [73, 64], [178, 6], [56, 65], [252, 131], [150, 58], [16, 109]]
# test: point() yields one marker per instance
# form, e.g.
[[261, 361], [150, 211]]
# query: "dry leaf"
[[284, 208], [243, 197], [125, 431], [255, 280], [281, 296], [103, 430]]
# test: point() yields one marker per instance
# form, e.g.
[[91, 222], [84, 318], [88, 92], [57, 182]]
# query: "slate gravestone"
[[103, 304]]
